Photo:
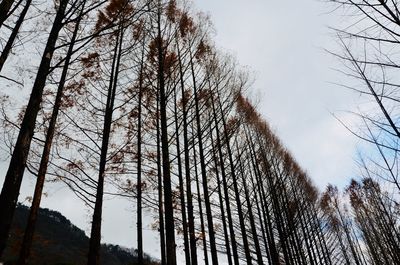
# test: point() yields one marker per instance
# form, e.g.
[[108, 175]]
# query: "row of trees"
[[132, 98], [363, 220], [366, 231]]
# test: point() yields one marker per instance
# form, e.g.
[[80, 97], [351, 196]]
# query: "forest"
[[133, 99]]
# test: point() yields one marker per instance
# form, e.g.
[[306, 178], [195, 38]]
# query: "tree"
[[377, 219], [5, 8], [14, 175], [140, 104], [11, 39], [28, 236], [340, 223], [369, 55]]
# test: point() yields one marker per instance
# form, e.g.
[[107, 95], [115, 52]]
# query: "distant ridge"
[[58, 242]]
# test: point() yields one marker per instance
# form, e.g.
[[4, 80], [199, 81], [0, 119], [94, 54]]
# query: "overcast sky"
[[282, 43]]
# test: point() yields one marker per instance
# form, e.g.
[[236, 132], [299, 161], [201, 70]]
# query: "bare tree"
[[14, 175]]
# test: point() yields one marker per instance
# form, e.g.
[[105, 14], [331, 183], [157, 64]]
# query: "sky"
[[282, 43]]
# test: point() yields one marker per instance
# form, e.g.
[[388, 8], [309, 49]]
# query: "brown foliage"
[[203, 49], [169, 63], [171, 11], [153, 49], [70, 91], [186, 97], [353, 190], [138, 29], [115, 9], [186, 25], [204, 95], [92, 59], [246, 109]]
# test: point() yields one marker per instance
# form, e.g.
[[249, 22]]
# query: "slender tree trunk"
[[264, 206], [225, 186], [214, 255], [289, 228], [181, 184], [321, 236], [5, 7], [189, 197], [15, 172], [95, 235], [236, 188], [260, 217], [160, 188], [7, 48], [275, 204], [169, 210], [202, 226], [139, 164], [249, 209], [349, 239], [343, 248], [29, 231], [221, 203]]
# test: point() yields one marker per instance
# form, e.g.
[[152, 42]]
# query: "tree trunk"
[[95, 234], [249, 209], [139, 164], [7, 48], [189, 197], [221, 203], [160, 189], [29, 231], [169, 210], [181, 184], [15, 172], [214, 255], [202, 226], [225, 187], [264, 206], [236, 188], [5, 7]]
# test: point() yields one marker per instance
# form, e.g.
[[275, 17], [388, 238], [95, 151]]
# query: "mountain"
[[58, 241]]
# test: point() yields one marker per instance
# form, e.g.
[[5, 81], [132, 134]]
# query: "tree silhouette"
[[138, 102]]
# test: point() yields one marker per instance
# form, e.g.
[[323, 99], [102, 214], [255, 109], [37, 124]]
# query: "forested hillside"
[[57, 241], [132, 99]]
